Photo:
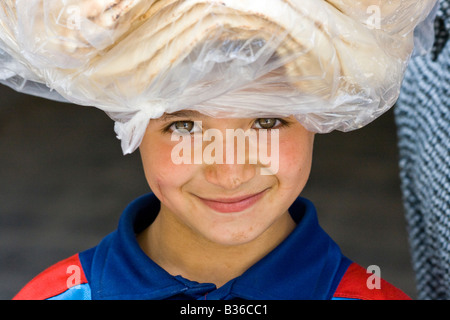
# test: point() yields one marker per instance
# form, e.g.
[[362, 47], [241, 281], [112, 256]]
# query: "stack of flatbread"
[[335, 64]]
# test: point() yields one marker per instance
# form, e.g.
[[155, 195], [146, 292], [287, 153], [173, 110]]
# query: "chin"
[[241, 234], [235, 239]]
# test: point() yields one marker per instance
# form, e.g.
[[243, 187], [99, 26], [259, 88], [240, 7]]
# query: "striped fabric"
[[423, 120]]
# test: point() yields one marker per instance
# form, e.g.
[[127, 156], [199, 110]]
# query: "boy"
[[218, 231], [216, 227]]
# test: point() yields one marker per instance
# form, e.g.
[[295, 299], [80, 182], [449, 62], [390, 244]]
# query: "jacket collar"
[[308, 264]]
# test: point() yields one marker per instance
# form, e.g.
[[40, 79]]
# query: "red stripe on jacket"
[[54, 280], [354, 286]]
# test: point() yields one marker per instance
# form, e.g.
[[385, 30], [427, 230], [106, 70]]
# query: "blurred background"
[[64, 183]]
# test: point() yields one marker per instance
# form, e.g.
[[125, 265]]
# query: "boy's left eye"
[[267, 123]]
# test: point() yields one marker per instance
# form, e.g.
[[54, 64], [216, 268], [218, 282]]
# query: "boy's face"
[[205, 197]]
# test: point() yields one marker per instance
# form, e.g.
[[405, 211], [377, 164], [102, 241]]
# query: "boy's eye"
[[185, 127], [266, 123]]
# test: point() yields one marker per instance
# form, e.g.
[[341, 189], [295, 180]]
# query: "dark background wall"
[[64, 183]]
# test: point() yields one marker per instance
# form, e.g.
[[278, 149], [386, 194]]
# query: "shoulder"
[[357, 283], [63, 280]]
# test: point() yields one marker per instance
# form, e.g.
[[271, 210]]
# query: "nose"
[[229, 176], [235, 157]]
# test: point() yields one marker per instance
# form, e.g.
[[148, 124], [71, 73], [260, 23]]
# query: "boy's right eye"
[[185, 127]]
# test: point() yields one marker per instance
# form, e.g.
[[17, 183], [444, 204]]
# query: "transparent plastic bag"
[[335, 65]]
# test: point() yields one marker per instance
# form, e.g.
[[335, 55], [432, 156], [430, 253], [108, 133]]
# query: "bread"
[[137, 59]]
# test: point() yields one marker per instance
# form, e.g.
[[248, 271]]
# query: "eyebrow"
[[181, 114]]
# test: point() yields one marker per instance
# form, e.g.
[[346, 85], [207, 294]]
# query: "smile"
[[228, 205]]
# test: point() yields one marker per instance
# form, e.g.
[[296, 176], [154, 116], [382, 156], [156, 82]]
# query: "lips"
[[228, 205]]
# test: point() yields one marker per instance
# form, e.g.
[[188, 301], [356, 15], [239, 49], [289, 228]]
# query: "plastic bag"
[[335, 64]]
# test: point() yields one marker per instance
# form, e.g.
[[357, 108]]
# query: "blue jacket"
[[308, 264]]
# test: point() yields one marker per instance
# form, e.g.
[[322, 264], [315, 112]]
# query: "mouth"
[[237, 204]]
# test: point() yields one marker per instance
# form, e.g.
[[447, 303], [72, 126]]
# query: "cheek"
[[295, 160], [162, 174]]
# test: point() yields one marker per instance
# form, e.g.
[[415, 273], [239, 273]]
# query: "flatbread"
[[137, 59], [171, 32]]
